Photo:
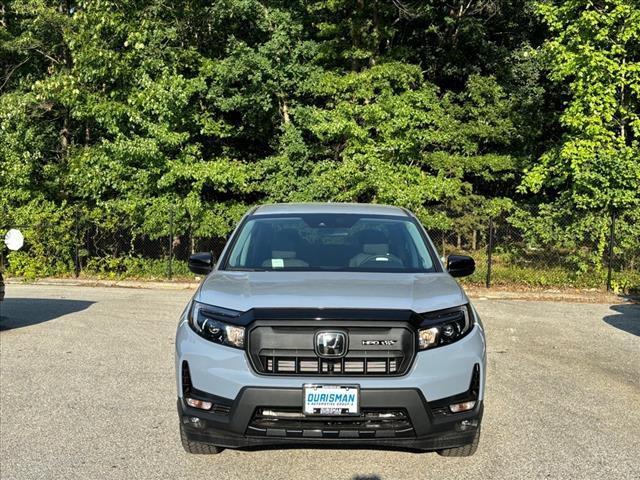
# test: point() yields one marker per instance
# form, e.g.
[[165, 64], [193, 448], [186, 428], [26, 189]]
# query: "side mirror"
[[460, 265], [201, 263]]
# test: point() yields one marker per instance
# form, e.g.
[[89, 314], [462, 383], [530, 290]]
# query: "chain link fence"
[[507, 255], [504, 254]]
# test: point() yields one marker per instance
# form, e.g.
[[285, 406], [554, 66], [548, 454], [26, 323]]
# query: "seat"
[[288, 242], [375, 248]]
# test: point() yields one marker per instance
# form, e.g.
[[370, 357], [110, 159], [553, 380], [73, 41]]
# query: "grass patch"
[[507, 269]]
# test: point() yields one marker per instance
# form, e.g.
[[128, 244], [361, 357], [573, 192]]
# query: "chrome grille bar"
[[339, 366]]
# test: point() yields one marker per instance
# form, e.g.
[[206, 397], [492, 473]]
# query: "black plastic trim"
[[431, 431], [325, 314], [188, 390], [472, 393], [337, 323]]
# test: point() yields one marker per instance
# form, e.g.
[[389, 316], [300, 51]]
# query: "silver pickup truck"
[[330, 324]]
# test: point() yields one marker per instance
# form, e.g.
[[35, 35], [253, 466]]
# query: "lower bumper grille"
[[371, 423]]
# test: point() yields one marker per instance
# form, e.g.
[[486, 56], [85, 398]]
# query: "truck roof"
[[353, 208]]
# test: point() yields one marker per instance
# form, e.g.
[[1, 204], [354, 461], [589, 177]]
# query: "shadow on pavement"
[[23, 312], [627, 318]]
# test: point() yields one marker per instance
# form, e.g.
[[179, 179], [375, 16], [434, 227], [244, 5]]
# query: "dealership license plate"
[[331, 399]]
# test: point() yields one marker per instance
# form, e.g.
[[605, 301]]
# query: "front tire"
[[465, 450], [197, 448]]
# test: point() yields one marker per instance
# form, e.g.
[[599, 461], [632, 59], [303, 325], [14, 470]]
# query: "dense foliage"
[[120, 112]]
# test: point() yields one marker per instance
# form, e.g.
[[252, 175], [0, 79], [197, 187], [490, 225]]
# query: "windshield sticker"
[[277, 263]]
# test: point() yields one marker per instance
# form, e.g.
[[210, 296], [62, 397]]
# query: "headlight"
[[444, 327], [211, 323]]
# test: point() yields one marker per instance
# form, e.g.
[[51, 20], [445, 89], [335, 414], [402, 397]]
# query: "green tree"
[[125, 114], [594, 51], [385, 135]]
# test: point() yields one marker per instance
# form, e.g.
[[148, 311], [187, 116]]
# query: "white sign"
[[331, 399], [14, 240]]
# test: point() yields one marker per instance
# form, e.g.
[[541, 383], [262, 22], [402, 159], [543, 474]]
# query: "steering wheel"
[[390, 261]]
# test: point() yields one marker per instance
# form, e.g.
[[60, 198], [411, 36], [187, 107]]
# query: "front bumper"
[[436, 378], [432, 429], [437, 373]]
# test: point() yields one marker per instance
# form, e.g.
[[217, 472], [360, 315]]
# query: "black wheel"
[[198, 448], [465, 450]]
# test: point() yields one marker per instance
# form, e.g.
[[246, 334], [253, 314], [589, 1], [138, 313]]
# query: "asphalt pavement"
[[87, 391]]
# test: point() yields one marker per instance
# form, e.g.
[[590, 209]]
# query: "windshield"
[[330, 242]]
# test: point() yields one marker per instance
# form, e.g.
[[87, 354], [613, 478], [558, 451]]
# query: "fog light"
[[201, 404], [465, 425], [462, 407]]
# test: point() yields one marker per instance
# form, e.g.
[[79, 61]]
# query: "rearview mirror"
[[201, 263], [460, 265]]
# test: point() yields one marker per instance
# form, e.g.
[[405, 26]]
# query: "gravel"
[[87, 391]]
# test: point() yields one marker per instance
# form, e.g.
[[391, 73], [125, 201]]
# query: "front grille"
[[285, 349], [371, 423], [339, 366]]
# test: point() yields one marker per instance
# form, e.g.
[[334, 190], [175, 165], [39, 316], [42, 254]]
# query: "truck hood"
[[242, 291]]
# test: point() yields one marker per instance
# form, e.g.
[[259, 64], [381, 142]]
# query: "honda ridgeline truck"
[[330, 324]]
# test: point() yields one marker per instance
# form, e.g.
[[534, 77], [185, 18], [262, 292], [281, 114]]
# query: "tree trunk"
[[623, 105], [376, 35], [65, 135], [284, 109]]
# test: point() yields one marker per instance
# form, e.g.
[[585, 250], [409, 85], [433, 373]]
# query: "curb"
[[550, 295], [82, 282], [474, 291]]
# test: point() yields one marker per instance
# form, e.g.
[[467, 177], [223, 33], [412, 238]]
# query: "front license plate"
[[331, 399]]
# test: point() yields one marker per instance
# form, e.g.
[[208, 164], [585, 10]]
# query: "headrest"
[[287, 240], [371, 236]]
